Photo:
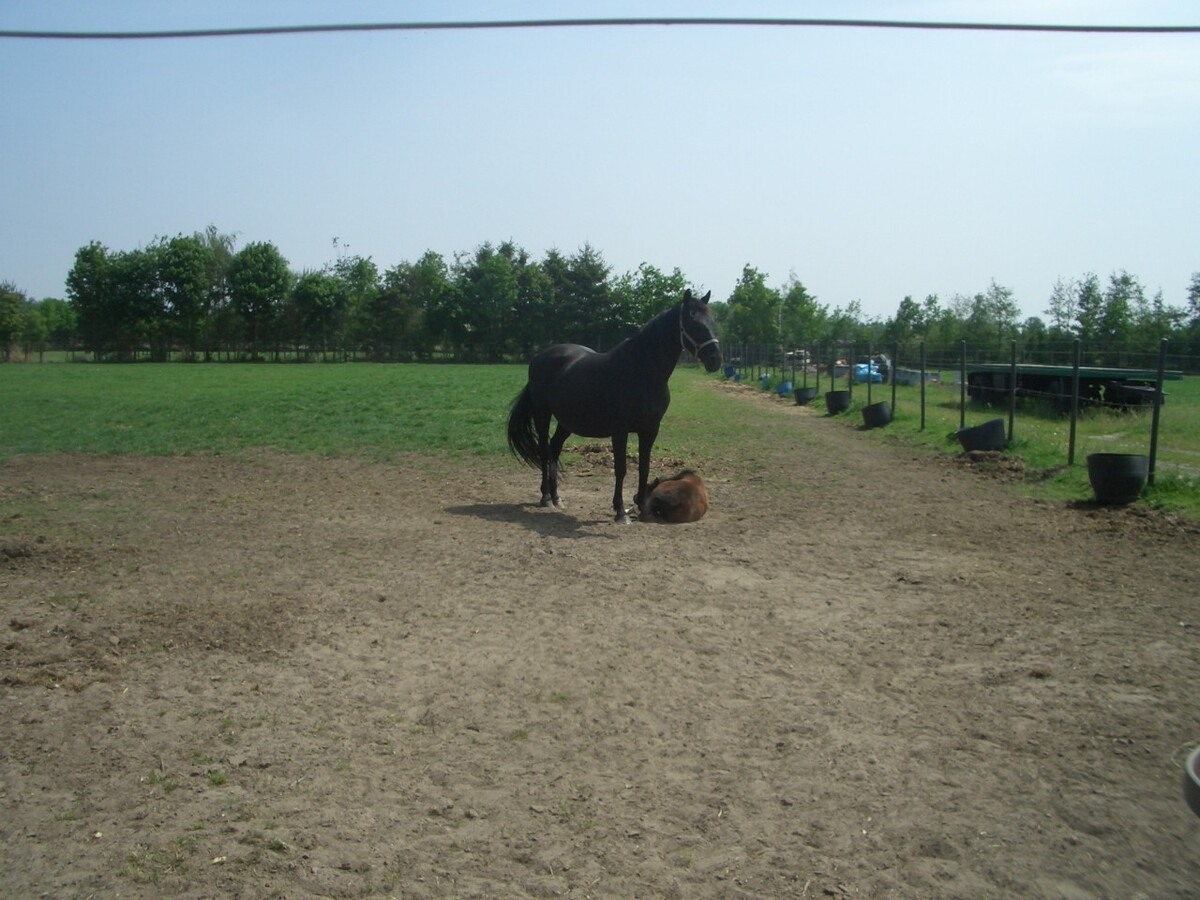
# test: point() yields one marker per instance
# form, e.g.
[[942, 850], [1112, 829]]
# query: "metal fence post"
[[1158, 394], [1074, 403]]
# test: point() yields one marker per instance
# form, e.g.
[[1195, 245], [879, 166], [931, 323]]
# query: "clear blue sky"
[[869, 164]]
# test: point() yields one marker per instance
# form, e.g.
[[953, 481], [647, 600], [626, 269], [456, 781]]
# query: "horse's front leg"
[[620, 443], [645, 445]]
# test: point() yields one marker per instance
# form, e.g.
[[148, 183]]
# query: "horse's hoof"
[[558, 504], [545, 501]]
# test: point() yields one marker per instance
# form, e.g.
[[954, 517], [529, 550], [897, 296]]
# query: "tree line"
[[198, 297]]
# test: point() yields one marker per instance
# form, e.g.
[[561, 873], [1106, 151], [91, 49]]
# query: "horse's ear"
[[704, 299], [687, 295]]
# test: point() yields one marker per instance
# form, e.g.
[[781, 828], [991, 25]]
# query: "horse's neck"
[[658, 344]]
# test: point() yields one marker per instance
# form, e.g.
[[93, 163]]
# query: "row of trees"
[[1117, 321], [198, 297]]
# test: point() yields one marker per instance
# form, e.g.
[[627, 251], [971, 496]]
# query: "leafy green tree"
[[12, 303], [844, 325], [532, 322], [802, 319], [589, 300], [1062, 308], [1123, 295], [754, 311], [49, 324], [1035, 336], [88, 290], [222, 326], [908, 322], [318, 298], [259, 282], [641, 295], [398, 314], [359, 277], [1193, 301], [986, 320], [1192, 315], [488, 293], [184, 274], [137, 307], [1089, 308]]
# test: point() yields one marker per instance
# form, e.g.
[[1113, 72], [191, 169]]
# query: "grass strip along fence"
[[384, 411], [1055, 415]]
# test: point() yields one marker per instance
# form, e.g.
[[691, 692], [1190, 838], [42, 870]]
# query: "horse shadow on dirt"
[[548, 523]]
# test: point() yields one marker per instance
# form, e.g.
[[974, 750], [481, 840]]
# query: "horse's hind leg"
[[549, 450]]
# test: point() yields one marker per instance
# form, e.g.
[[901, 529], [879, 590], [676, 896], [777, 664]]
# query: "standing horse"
[[609, 394]]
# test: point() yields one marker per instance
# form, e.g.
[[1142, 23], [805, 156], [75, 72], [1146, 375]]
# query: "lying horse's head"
[[680, 498], [696, 331]]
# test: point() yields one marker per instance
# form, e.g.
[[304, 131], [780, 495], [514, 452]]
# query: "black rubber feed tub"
[[804, 395], [1117, 477], [988, 436], [1191, 781], [876, 415], [837, 402]]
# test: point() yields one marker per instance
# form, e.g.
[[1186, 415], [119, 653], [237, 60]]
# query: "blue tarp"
[[863, 371]]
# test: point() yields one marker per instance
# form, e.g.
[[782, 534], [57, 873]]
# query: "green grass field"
[[382, 411]]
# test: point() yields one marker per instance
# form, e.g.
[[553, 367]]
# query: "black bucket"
[[1191, 781], [804, 395], [988, 436], [1117, 477], [876, 415], [837, 402]]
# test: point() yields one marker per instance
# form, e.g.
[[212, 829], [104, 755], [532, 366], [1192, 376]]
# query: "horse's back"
[[550, 363]]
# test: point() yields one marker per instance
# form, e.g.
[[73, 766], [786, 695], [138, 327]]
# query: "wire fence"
[[1062, 380]]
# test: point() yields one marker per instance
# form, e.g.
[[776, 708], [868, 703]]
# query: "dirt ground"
[[865, 673]]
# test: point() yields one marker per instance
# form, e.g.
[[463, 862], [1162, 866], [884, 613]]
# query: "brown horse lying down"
[[680, 498]]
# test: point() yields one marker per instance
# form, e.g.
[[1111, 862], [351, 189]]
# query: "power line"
[[274, 30]]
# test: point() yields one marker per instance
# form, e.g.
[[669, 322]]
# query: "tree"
[[359, 278], [222, 324], [589, 301], [1089, 307], [1062, 308], [88, 290], [259, 281], [1123, 295], [398, 313], [641, 295], [1193, 301], [754, 310], [184, 274], [12, 304], [801, 317], [49, 323], [908, 322], [317, 299], [488, 294], [531, 327]]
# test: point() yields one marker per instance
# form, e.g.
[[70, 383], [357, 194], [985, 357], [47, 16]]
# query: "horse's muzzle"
[[710, 356]]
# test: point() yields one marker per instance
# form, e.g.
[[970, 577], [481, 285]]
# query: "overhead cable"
[[274, 30]]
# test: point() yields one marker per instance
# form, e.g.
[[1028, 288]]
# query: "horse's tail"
[[522, 436]]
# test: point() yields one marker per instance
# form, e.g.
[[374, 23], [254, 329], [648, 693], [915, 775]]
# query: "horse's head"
[[696, 331]]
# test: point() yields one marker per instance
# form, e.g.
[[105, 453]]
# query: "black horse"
[[608, 394]]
